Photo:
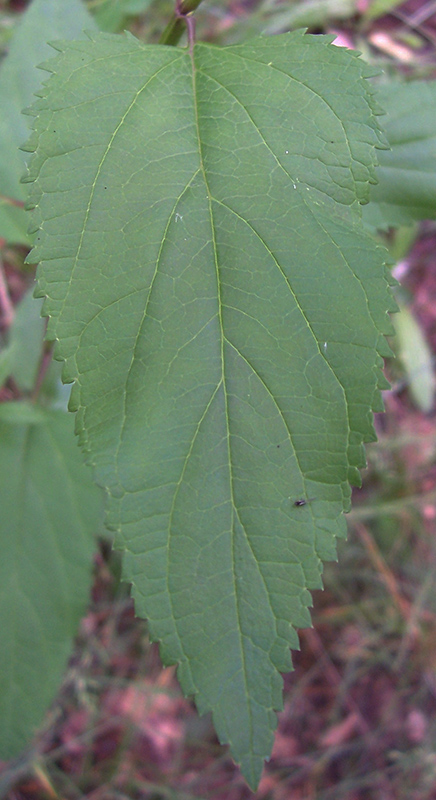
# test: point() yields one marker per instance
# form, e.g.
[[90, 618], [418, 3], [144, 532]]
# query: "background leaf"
[[13, 222], [220, 309], [377, 8], [43, 21], [111, 15], [417, 358], [406, 189], [311, 13], [26, 335], [51, 513]]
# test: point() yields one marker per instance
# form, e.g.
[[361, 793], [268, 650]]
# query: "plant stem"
[[182, 17], [46, 360], [11, 202]]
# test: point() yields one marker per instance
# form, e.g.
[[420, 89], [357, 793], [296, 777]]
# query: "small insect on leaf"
[[303, 502]]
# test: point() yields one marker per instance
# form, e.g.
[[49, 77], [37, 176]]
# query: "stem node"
[[182, 16]]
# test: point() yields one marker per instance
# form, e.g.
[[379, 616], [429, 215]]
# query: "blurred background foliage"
[[360, 708]]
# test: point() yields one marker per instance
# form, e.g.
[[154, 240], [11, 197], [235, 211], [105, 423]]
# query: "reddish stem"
[[43, 367], [183, 15], [10, 201]]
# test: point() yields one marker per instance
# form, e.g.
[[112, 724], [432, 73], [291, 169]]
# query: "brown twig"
[[385, 573], [333, 675]]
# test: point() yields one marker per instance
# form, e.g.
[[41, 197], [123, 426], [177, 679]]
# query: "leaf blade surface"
[[406, 188], [51, 512], [43, 21], [221, 312]]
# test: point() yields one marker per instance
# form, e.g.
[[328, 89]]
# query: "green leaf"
[[21, 356], [406, 189], [378, 8], [51, 511], [110, 15], [220, 309], [19, 81], [310, 13], [417, 358], [25, 341], [13, 223], [6, 362]]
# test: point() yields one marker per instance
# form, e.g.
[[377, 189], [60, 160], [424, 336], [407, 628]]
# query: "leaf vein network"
[[288, 284], [97, 175], [241, 104], [144, 315], [301, 83]]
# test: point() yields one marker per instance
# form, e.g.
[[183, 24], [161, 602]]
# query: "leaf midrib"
[[223, 384]]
